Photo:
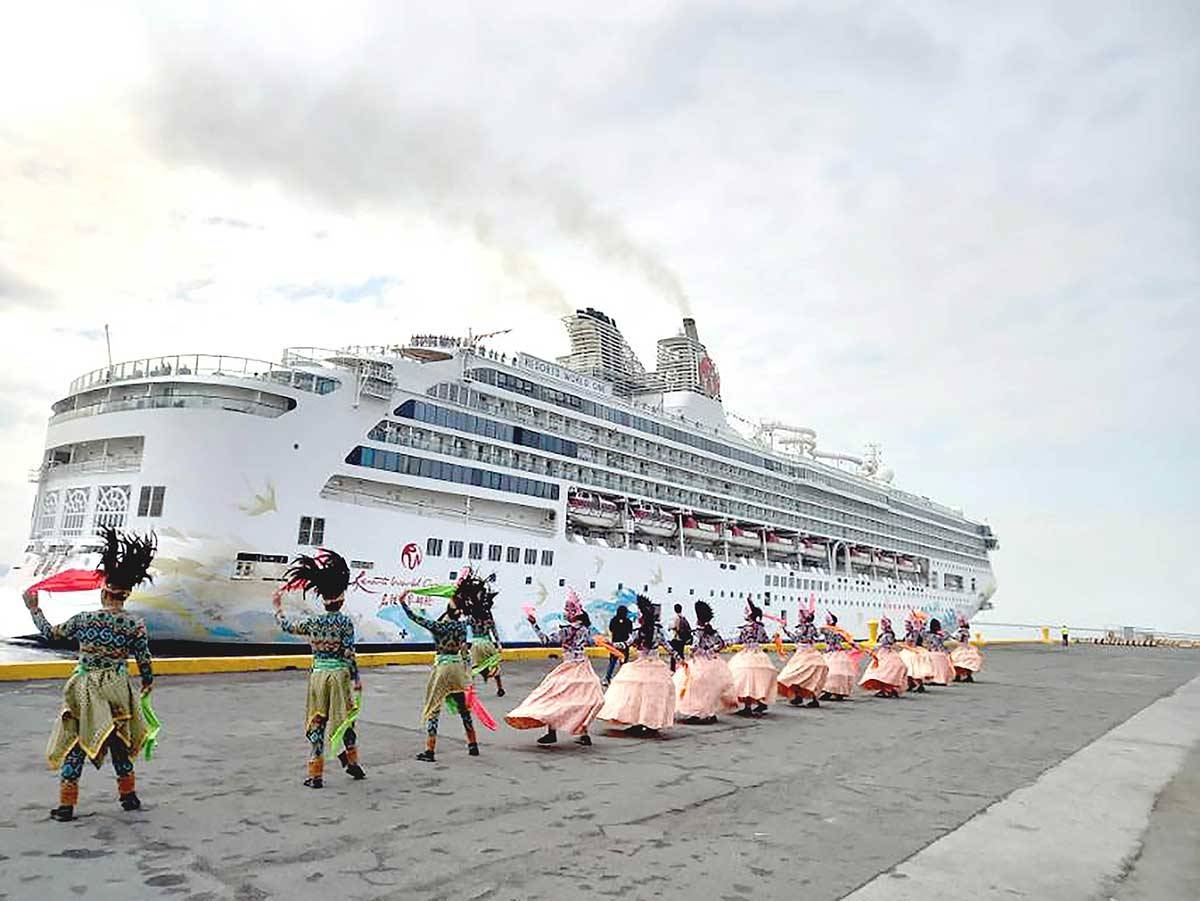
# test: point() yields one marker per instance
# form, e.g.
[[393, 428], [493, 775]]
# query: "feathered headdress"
[[885, 622], [471, 594], [326, 573], [918, 616], [753, 612], [704, 612], [830, 618], [126, 559], [572, 608]]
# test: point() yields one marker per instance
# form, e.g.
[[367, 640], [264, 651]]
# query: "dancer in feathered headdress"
[[100, 712], [913, 653], [642, 696], [842, 654], [755, 679], [935, 643], [476, 599], [704, 686], [886, 676], [569, 698], [967, 659], [334, 688], [804, 675]]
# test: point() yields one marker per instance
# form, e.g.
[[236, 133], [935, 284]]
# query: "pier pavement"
[[1059, 774]]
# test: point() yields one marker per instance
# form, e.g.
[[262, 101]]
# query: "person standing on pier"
[[681, 634], [887, 675], [755, 679], [620, 627], [642, 696], [967, 658], [100, 713], [334, 688], [450, 678], [477, 599], [804, 675], [842, 661], [939, 659], [569, 698], [704, 685], [1066, 638]]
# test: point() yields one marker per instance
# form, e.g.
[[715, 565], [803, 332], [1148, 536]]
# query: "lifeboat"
[[812, 548], [744, 538], [596, 512], [861, 557], [700, 531], [907, 565], [778, 545], [652, 521]]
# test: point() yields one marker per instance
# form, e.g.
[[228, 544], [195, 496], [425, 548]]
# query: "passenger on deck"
[[334, 687]]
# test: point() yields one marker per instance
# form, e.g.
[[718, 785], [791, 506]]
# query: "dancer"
[[915, 657], [449, 679], [843, 668], [886, 676], [569, 698], [935, 641], [804, 675], [642, 696], [476, 599], [620, 627], [335, 666], [967, 659], [100, 713], [755, 679], [704, 685]]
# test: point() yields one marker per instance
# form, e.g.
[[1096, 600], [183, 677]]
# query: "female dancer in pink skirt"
[[755, 679], [935, 641], [803, 676], [887, 675], [642, 695], [967, 658], [570, 696], [915, 657], [843, 666], [704, 687]]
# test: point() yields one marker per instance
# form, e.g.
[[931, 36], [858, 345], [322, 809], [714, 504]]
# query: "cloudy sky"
[[968, 231]]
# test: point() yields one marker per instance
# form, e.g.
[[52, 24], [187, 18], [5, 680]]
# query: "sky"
[[967, 231]]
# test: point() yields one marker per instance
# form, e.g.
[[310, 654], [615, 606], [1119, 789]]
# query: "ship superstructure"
[[416, 460]]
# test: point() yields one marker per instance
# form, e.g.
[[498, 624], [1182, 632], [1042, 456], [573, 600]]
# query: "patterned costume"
[[100, 712], [334, 675], [804, 675], [475, 600], [449, 678], [642, 695], [704, 687], [886, 676], [967, 658], [755, 679], [570, 696]]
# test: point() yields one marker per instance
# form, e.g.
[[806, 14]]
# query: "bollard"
[[872, 631], [1045, 635], [978, 639]]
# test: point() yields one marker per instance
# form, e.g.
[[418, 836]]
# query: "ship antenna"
[[108, 347]]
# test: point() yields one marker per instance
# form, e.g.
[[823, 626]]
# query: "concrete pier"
[[864, 799]]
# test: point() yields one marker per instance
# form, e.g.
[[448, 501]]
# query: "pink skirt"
[[887, 671], [641, 694], [966, 657], [916, 662], [943, 669], [567, 700], [704, 688], [804, 674], [754, 677], [843, 673]]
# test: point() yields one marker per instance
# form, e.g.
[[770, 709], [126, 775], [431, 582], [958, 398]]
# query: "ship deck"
[[1046, 778]]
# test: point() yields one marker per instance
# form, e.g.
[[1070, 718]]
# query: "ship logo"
[[410, 556]]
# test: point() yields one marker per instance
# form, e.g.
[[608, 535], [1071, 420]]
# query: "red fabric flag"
[[71, 580]]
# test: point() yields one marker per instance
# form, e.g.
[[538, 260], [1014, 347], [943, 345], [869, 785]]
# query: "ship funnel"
[[689, 329]]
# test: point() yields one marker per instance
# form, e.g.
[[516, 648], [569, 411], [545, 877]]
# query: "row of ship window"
[[74, 511], [495, 552], [454, 393], [407, 464]]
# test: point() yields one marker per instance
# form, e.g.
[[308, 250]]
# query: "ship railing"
[[204, 365], [122, 463]]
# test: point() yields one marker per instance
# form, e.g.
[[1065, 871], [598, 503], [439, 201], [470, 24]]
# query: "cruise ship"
[[414, 461]]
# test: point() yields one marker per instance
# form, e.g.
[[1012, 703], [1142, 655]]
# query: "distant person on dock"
[[704, 685], [100, 714], [681, 634], [887, 675], [620, 627], [1066, 638], [642, 696], [334, 687], [569, 698], [450, 679], [967, 658], [476, 600], [755, 679], [804, 675]]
